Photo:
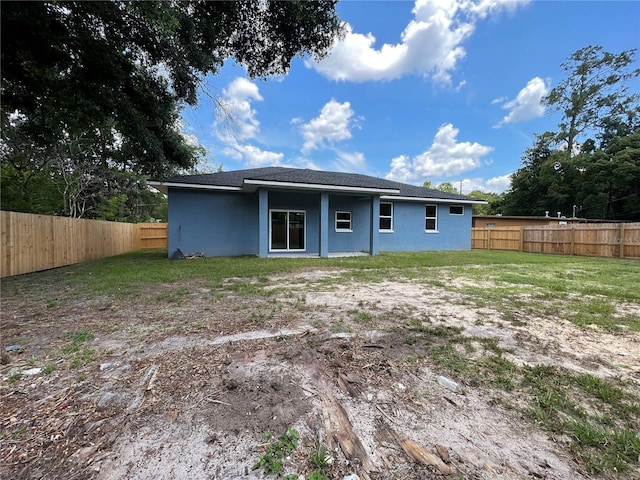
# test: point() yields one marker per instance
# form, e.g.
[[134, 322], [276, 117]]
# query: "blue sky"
[[445, 91]]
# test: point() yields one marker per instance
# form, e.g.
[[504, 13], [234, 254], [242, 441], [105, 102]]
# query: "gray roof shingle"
[[237, 179]]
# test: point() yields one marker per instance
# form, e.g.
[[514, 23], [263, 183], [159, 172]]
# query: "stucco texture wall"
[[213, 224], [409, 235], [226, 223], [358, 239]]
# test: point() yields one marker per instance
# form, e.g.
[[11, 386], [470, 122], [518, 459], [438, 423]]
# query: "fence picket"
[[590, 239], [38, 242]]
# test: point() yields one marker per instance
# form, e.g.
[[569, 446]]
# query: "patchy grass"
[[176, 297], [77, 353], [22, 341], [272, 460], [571, 404], [598, 416], [587, 291], [125, 274]]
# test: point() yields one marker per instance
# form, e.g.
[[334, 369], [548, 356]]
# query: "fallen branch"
[[420, 454], [349, 384], [339, 425], [152, 379], [312, 392], [385, 415]]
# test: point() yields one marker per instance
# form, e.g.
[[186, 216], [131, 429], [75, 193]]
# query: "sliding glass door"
[[287, 230]]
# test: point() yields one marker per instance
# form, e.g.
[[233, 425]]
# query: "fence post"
[[572, 237], [522, 239], [488, 238], [622, 233]]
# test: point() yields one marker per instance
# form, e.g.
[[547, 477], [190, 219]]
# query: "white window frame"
[[456, 206], [350, 221], [280, 210], [431, 217], [390, 217]]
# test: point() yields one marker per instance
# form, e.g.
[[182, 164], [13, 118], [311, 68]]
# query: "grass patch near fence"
[[585, 289], [122, 274]]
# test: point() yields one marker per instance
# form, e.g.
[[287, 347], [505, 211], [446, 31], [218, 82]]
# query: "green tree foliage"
[[531, 183], [446, 187], [608, 179], [594, 91], [493, 201], [591, 165], [97, 87]]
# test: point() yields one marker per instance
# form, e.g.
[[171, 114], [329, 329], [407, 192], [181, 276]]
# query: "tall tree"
[[528, 191], [98, 86], [595, 89], [590, 164], [82, 65]]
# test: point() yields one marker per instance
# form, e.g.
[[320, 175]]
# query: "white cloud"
[[253, 156], [235, 117], [303, 162], [401, 170], [528, 103], [332, 125], [349, 162], [445, 157], [236, 123], [498, 184], [492, 185], [190, 138], [431, 44]]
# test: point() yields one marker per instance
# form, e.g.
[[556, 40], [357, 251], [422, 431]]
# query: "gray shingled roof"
[[312, 177]]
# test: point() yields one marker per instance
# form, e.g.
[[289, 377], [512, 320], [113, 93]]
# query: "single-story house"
[[275, 211]]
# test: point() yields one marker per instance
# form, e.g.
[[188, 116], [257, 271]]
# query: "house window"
[[456, 210], [431, 218], [287, 230], [386, 217], [343, 222]]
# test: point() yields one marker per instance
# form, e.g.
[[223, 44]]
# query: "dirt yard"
[[183, 381]]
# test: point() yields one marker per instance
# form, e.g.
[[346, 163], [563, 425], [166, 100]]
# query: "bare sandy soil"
[[181, 382]]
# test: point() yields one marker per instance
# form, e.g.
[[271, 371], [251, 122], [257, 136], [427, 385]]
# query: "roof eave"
[[434, 200], [164, 186], [253, 185]]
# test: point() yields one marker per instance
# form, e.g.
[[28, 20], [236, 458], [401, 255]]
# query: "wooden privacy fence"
[[590, 239], [31, 243]]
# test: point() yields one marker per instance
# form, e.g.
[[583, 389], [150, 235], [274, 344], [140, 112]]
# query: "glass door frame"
[[288, 241]]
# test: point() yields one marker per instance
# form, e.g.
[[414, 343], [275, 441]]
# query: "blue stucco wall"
[[227, 223], [214, 224], [454, 231], [358, 239]]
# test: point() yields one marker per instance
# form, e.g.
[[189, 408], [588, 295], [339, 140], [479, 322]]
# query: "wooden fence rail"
[[591, 239], [30, 243]]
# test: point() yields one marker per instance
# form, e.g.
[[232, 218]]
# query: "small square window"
[[386, 216], [343, 221], [456, 210]]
